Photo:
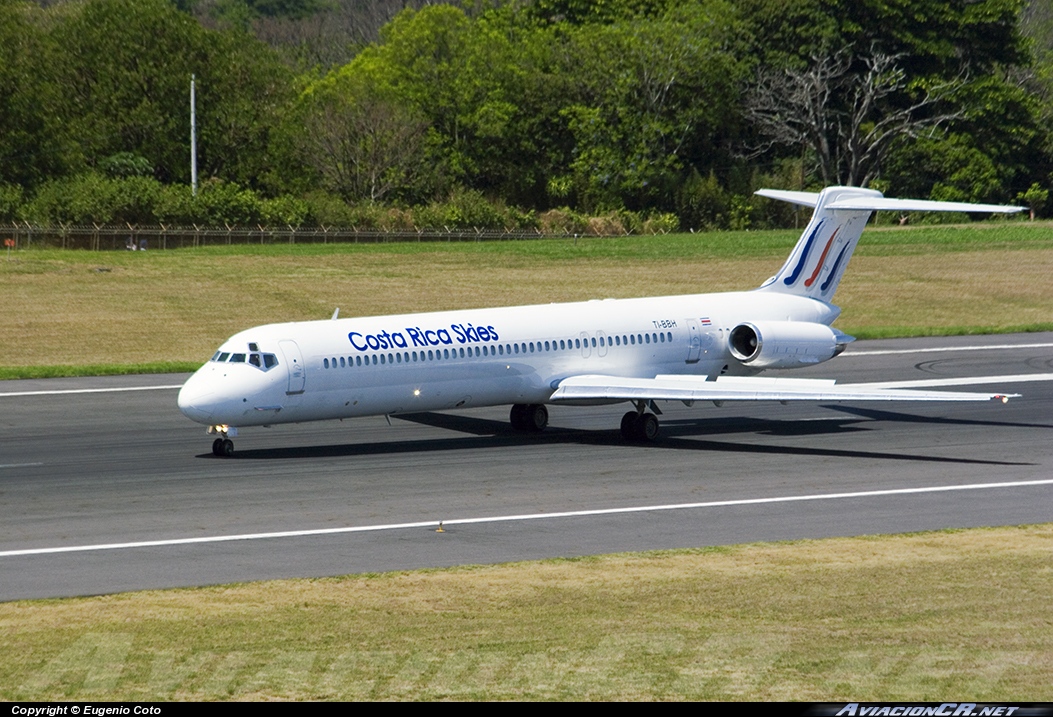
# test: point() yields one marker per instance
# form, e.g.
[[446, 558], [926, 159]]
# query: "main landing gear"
[[640, 426], [529, 417], [223, 447]]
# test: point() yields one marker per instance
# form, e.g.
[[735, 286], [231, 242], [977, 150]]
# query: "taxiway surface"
[[125, 472]]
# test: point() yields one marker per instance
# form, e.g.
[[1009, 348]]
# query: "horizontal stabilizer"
[[745, 388], [918, 205], [870, 203], [805, 199]]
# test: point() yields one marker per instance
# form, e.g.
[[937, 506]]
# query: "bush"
[[557, 222], [741, 214], [220, 203], [396, 219], [83, 199], [702, 203], [328, 210], [284, 211], [175, 205], [135, 200], [606, 226], [225, 203], [468, 208], [632, 222], [664, 223], [94, 199], [1035, 198], [769, 213]]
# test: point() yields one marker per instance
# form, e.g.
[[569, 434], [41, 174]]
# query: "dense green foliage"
[[518, 114]]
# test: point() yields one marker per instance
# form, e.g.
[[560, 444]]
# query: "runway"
[[128, 486]]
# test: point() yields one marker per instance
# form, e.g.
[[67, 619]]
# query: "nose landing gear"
[[223, 447]]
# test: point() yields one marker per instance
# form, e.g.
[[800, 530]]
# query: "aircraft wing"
[[751, 388]]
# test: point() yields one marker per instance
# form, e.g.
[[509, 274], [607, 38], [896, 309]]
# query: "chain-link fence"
[[111, 237]]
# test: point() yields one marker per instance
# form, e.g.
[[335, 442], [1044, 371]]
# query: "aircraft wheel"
[[517, 416], [536, 417], [217, 447], [628, 426], [228, 448], [647, 427]]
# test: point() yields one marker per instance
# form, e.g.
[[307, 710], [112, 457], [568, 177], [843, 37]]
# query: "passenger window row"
[[376, 359]]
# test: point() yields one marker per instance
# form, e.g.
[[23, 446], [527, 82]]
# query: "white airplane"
[[673, 348]]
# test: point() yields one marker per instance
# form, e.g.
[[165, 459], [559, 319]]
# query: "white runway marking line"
[[19, 465], [888, 352], [58, 392], [515, 518]]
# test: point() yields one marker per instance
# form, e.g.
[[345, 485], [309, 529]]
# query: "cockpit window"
[[262, 361]]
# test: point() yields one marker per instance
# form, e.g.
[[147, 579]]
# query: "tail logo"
[[796, 273], [833, 271], [819, 266], [806, 252]]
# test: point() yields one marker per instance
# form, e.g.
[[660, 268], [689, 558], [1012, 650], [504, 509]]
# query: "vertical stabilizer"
[[818, 262]]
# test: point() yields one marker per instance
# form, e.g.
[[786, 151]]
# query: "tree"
[[592, 12], [34, 143], [486, 87], [648, 96], [125, 69], [936, 38], [462, 75], [125, 66], [972, 50], [363, 142], [848, 112], [1037, 25], [243, 91], [1035, 198]]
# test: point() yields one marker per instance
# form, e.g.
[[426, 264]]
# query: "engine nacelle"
[[785, 344]]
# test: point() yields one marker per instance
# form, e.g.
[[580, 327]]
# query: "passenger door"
[[294, 362]]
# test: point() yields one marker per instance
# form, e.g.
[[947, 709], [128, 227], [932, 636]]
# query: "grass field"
[[86, 312], [949, 615]]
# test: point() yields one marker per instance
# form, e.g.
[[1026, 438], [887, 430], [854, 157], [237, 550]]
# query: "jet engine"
[[785, 344]]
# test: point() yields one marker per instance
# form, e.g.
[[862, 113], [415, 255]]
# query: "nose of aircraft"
[[197, 400]]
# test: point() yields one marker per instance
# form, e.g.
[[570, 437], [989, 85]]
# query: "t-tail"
[[818, 262]]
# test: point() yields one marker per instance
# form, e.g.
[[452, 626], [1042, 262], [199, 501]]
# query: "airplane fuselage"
[[470, 358]]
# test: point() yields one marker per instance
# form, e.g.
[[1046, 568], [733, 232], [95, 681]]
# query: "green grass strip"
[[23, 372], [947, 615]]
